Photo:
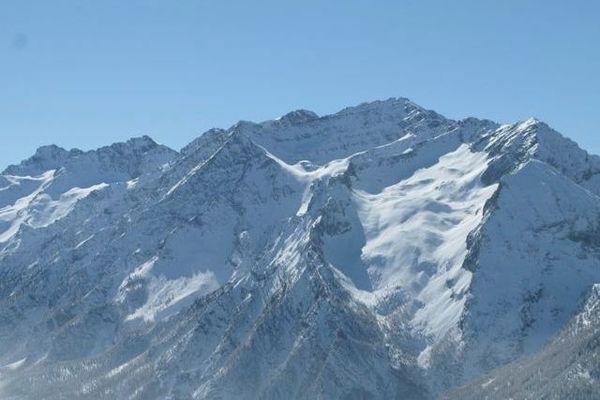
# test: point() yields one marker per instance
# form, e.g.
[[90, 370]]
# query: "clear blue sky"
[[88, 73]]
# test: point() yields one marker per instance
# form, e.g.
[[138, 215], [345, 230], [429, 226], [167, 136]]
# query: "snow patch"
[[166, 297]]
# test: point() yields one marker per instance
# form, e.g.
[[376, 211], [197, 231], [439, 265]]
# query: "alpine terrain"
[[382, 252]]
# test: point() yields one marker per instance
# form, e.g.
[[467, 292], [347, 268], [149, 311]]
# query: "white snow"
[[14, 365], [416, 234], [166, 296], [84, 241], [38, 209], [46, 211], [16, 214], [132, 183], [488, 382]]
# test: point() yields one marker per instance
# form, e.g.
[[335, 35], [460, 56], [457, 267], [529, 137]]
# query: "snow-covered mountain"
[[567, 368], [380, 252]]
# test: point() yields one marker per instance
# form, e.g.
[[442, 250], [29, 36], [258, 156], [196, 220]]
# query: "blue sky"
[[89, 73]]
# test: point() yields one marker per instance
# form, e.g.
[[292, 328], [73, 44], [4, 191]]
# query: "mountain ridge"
[[356, 255]]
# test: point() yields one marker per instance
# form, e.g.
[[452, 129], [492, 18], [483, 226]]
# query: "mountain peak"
[[530, 124], [298, 117], [138, 144], [54, 157], [50, 150], [393, 104], [204, 140], [45, 158], [141, 141]]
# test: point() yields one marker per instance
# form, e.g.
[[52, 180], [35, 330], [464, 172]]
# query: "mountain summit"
[[380, 252]]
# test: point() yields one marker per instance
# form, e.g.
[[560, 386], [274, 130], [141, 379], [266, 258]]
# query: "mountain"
[[384, 251], [567, 368]]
